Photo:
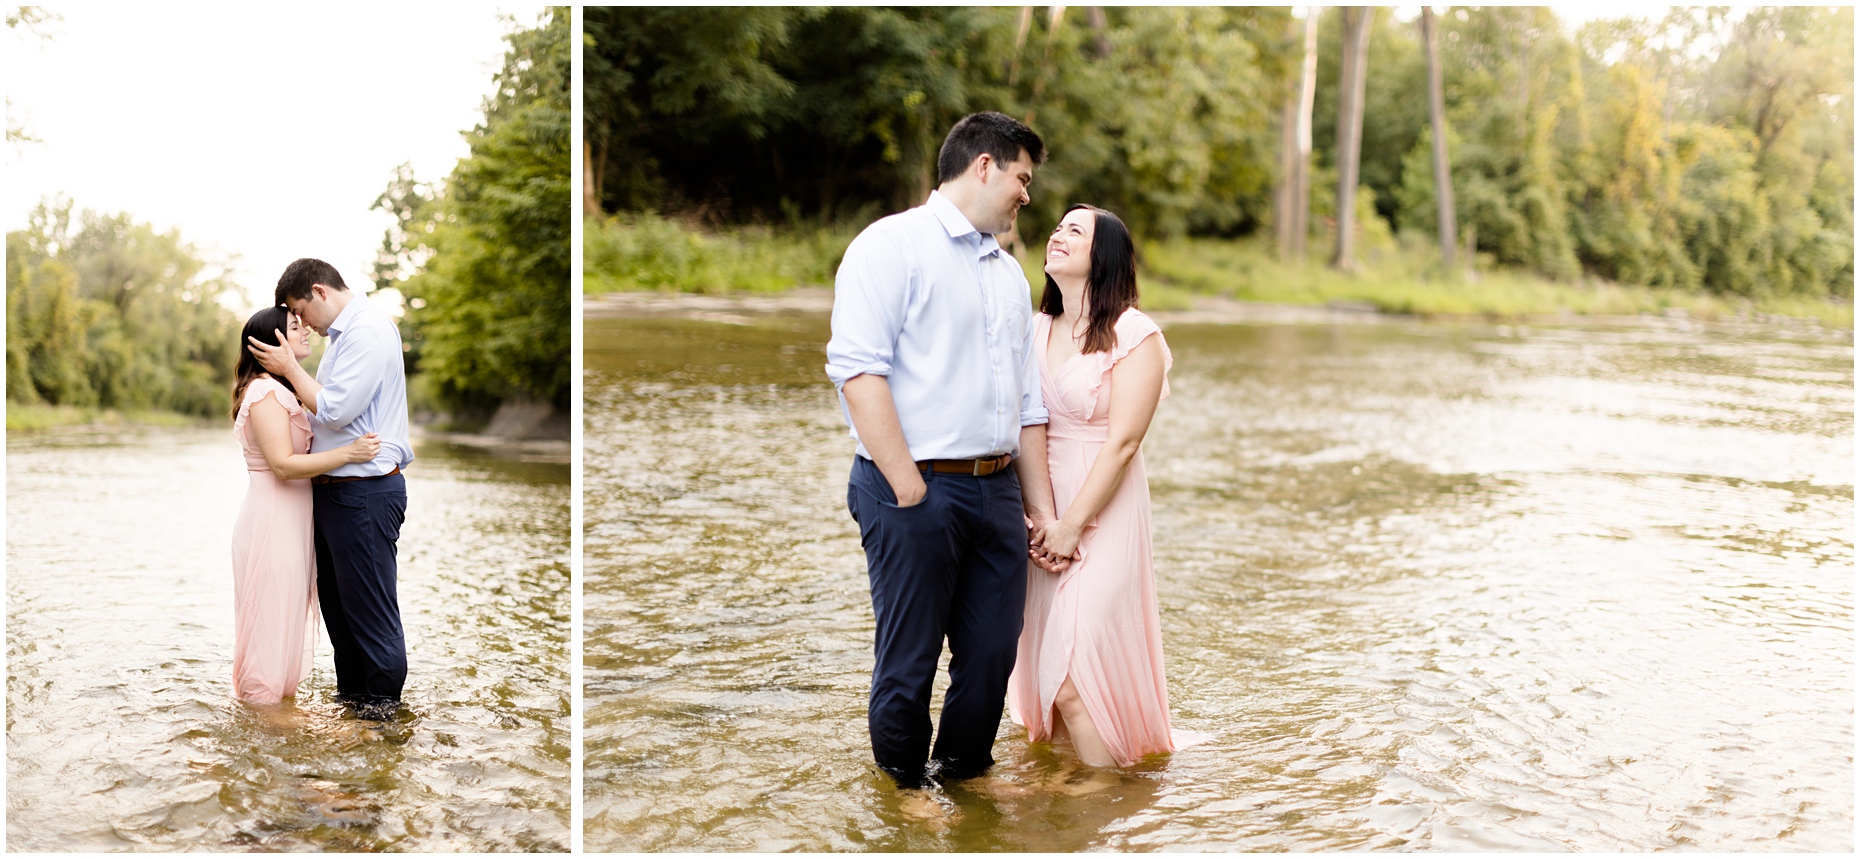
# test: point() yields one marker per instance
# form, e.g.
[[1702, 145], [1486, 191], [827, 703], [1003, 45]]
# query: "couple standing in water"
[[326, 498], [998, 483]]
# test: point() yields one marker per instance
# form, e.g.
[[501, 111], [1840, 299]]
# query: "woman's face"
[[1068, 251], [299, 338]]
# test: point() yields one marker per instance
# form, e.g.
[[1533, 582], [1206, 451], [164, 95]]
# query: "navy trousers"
[[357, 530], [951, 566]]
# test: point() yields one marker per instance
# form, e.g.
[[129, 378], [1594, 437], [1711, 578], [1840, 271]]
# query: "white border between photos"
[[577, 757]]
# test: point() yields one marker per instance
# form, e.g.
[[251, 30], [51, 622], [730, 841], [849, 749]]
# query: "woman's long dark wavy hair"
[[261, 327], [1110, 284]]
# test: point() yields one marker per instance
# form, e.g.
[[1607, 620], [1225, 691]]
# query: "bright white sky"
[[1574, 15], [264, 131]]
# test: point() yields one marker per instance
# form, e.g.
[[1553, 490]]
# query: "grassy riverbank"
[[23, 417], [647, 252], [1408, 280], [650, 253]]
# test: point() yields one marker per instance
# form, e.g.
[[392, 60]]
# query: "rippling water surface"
[[1431, 586], [121, 732]]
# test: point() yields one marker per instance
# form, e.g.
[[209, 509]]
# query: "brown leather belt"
[[971, 467], [324, 478]]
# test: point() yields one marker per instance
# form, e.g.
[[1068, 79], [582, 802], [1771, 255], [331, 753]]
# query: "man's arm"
[[875, 419], [353, 376], [1036, 480], [870, 292], [1036, 493]]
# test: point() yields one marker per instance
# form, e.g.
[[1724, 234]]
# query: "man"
[[933, 355], [360, 388]]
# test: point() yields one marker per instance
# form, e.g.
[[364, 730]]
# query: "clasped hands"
[[1052, 544]]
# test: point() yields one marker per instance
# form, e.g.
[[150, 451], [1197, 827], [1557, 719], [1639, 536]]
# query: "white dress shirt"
[[364, 390], [925, 299]]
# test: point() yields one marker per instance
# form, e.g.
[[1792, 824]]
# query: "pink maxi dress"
[[1097, 622], [274, 563]]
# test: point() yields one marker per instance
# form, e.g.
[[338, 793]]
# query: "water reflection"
[[1432, 586], [120, 730]]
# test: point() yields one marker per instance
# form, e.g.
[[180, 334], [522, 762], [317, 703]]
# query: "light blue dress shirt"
[[925, 299], [364, 390]]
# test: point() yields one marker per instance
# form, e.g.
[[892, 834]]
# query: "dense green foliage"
[[1690, 152], [1703, 151], [114, 314], [483, 258], [776, 114]]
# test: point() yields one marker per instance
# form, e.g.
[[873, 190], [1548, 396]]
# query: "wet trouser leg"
[[357, 530], [952, 565], [985, 618]]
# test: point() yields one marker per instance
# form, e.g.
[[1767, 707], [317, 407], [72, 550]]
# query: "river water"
[[121, 732], [1430, 585]]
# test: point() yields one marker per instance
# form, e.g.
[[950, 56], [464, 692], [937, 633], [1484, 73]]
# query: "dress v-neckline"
[[1046, 354]]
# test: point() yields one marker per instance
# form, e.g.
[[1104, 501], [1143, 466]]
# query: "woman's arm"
[[271, 428], [1136, 388]]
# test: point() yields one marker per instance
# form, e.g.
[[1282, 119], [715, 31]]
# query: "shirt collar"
[[356, 304], [957, 224]]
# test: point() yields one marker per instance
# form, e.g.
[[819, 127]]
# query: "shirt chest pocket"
[[1007, 306]]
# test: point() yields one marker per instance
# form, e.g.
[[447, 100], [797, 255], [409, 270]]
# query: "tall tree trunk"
[[1057, 13], [1350, 129], [1101, 46], [590, 188], [1307, 100], [1284, 209], [1022, 27], [1291, 204], [1437, 114], [1010, 240], [1524, 80]]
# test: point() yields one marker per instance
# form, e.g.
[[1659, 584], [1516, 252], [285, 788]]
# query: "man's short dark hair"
[[997, 134], [299, 276]]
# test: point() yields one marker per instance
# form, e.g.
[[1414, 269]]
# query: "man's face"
[[315, 310], [1005, 190]]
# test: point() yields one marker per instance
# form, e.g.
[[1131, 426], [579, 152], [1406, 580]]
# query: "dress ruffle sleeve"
[[1131, 329], [262, 388]]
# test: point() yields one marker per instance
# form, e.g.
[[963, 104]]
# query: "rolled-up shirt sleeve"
[[352, 381], [1032, 405], [870, 294]]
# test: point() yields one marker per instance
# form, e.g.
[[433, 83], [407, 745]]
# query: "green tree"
[[689, 75], [1708, 149], [485, 255], [115, 314], [778, 114]]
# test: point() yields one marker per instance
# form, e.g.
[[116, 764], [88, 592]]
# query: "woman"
[[274, 559], [1090, 660]]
